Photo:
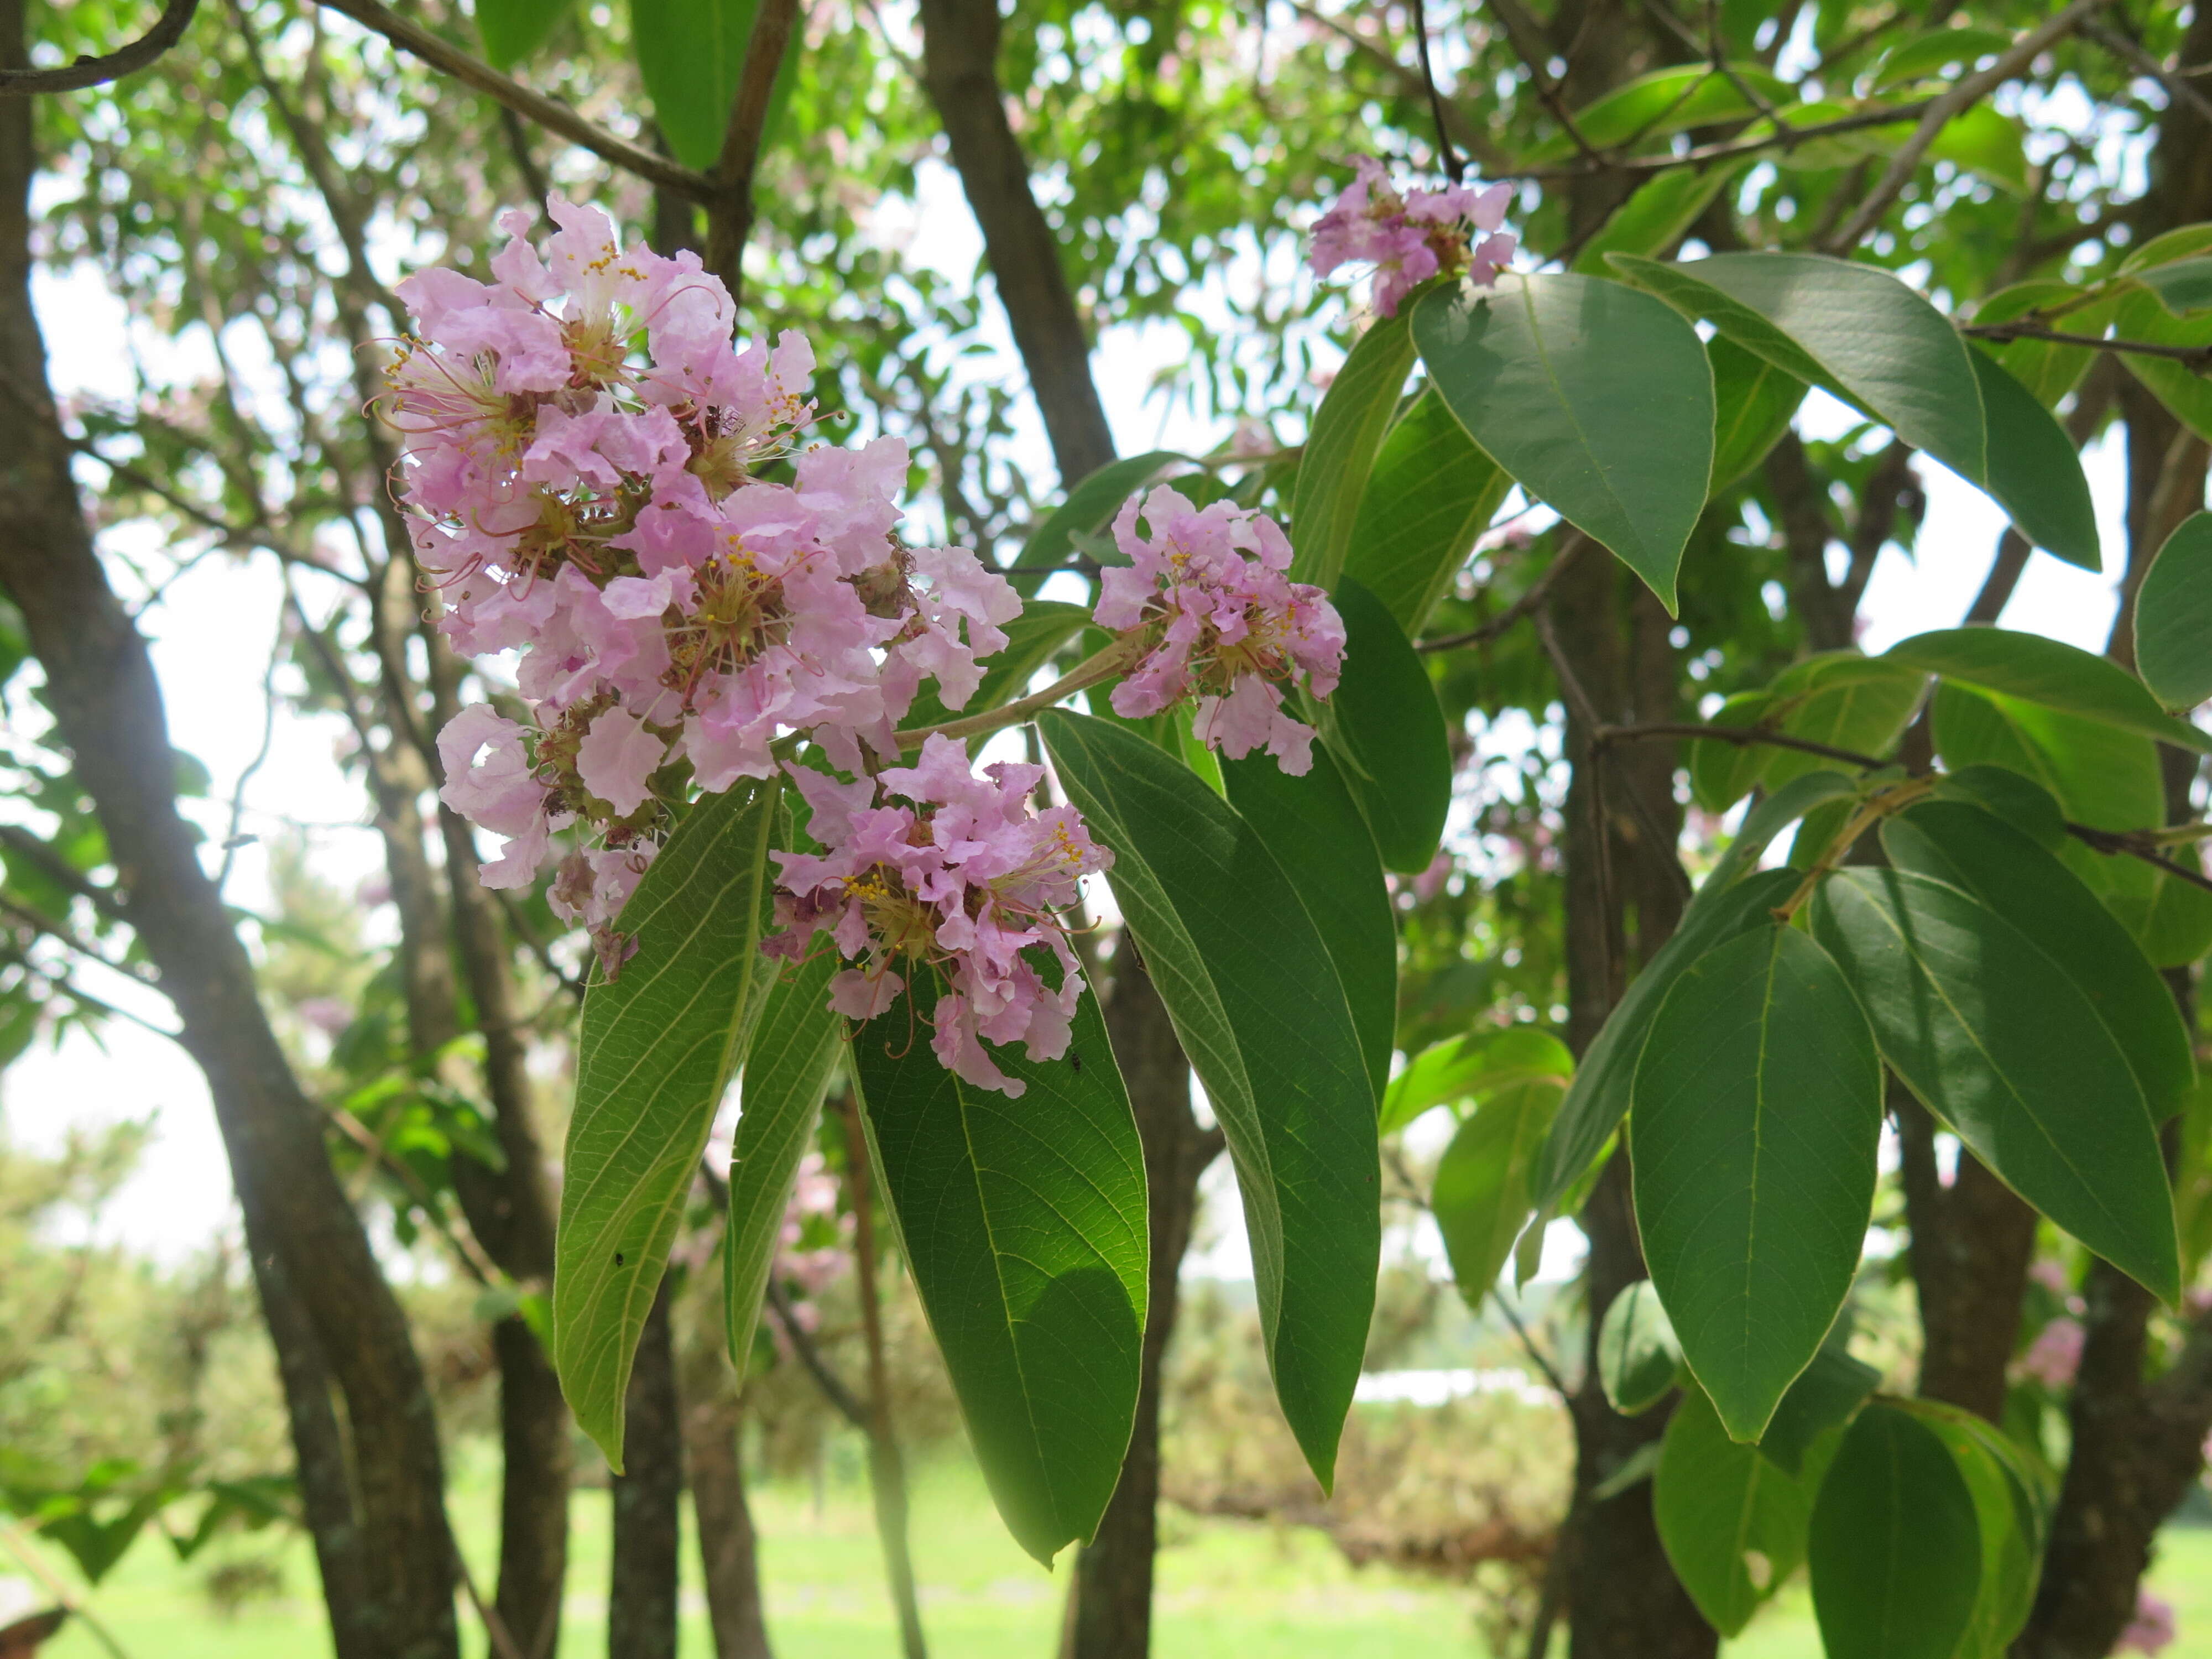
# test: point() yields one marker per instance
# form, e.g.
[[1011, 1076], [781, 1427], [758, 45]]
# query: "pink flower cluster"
[[962, 879], [597, 507], [2154, 1627], [811, 1267], [1411, 238], [1209, 590], [2055, 1354]]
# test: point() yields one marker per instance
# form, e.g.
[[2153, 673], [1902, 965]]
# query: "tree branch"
[[168, 29], [1538, 590], [555, 117], [2196, 357], [730, 218], [1604, 737]]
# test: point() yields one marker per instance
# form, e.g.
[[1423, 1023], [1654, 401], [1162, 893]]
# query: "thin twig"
[[833, 1387], [1581, 708], [481, 1266], [1742, 736], [1536, 1355], [1940, 111], [168, 29], [2196, 357], [1455, 167], [495, 1630], [1103, 666], [2110, 842], [231, 841], [2177, 86], [1538, 590], [730, 218]]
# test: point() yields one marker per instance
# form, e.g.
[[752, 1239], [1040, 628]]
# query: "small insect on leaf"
[[1075, 1061], [618, 1258]]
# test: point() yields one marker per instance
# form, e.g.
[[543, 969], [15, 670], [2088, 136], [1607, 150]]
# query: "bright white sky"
[[213, 633]]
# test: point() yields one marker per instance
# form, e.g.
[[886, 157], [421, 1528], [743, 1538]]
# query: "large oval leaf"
[[1597, 1099], [513, 29], [659, 1043], [1315, 829], [1978, 852], [1472, 1067], [1825, 1393], [2008, 1515], [1023, 1223], [2035, 468], [1996, 1038], [2185, 393], [2105, 779], [1432, 493], [689, 54], [1733, 1524], [1896, 1546], [1597, 398], [2049, 672], [1758, 1110], [1387, 730], [2173, 617], [1262, 1013], [795, 1047], [1753, 402], [1480, 1194], [1852, 328], [1340, 450]]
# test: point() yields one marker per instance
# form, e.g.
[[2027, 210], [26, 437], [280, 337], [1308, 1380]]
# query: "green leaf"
[[1722, 773], [1596, 397], [1669, 100], [1839, 698], [2169, 917], [1987, 143], [2173, 617], [1638, 1355], [1936, 52], [659, 1043], [1733, 1526], [691, 54], [2035, 472], [1432, 493], [1896, 1546], [795, 1047], [2182, 287], [2031, 888], [1341, 447], [1262, 1016], [1756, 1115], [2046, 368], [1830, 1389], [1315, 829], [2006, 1518], [2141, 315], [2049, 672], [1472, 1067], [1659, 212], [513, 29], [1597, 1099], [1817, 791], [1089, 510], [1387, 730], [2108, 780], [1753, 402], [1023, 1223], [1996, 1039], [1852, 328], [1480, 1194]]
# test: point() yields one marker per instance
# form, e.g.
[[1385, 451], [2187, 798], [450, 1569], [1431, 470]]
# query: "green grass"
[[1227, 1590]]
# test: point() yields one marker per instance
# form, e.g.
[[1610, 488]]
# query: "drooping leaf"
[[1262, 1016], [2170, 917], [1757, 1114], [1662, 209], [691, 54], [1471, 1067], [2048, 369], [2173, 617], [1340, 449], [1733, 1524], [1638, 1355], [2035, 472], [1996, 1039], [2047, 671], [2007, 1517], [1023, 1223], [2105, 779], [1825, 1394], [795, 1047], [1895, 1544], [1753, 402], [1480, 1194], [1598, 399], [1387, 730], [512, 29], [2033, 889], [659, 1043], [2141, 315], [1598, 1097], [1432, 492], [1089, 510], [1315, 829], [1852, 328], [1814, 791]]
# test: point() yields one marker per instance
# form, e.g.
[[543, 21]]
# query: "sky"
[[213, 632]]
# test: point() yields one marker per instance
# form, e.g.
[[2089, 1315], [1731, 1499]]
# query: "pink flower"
[[1411, 238], [2152, 1629], [618, 759], [2055, 1355], [934, 868], [1207, 592]]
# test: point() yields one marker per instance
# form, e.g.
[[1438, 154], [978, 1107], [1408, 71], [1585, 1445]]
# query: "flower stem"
[[1103, 666]]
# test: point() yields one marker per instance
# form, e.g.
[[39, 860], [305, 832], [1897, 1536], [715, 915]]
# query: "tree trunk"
[[1111, 1613], [642, 1597], [107, 707], [728, 1546]]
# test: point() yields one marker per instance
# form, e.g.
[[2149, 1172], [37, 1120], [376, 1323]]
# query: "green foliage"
[[1259, 1011], [1073, 526], [1757, 1111], [514, 29], [1826, 1393], [1348, 430], [1596, 399], [2047, 671], [1895, 1545], [1385, 728], [660, 1042], [1470, 1068], [1733, 1524], [691, 54], [2173, 617], [1639, 1357], [1481, 1193], [2035, 468], [1023, 1223], [1431, 493], [1753, 402]]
